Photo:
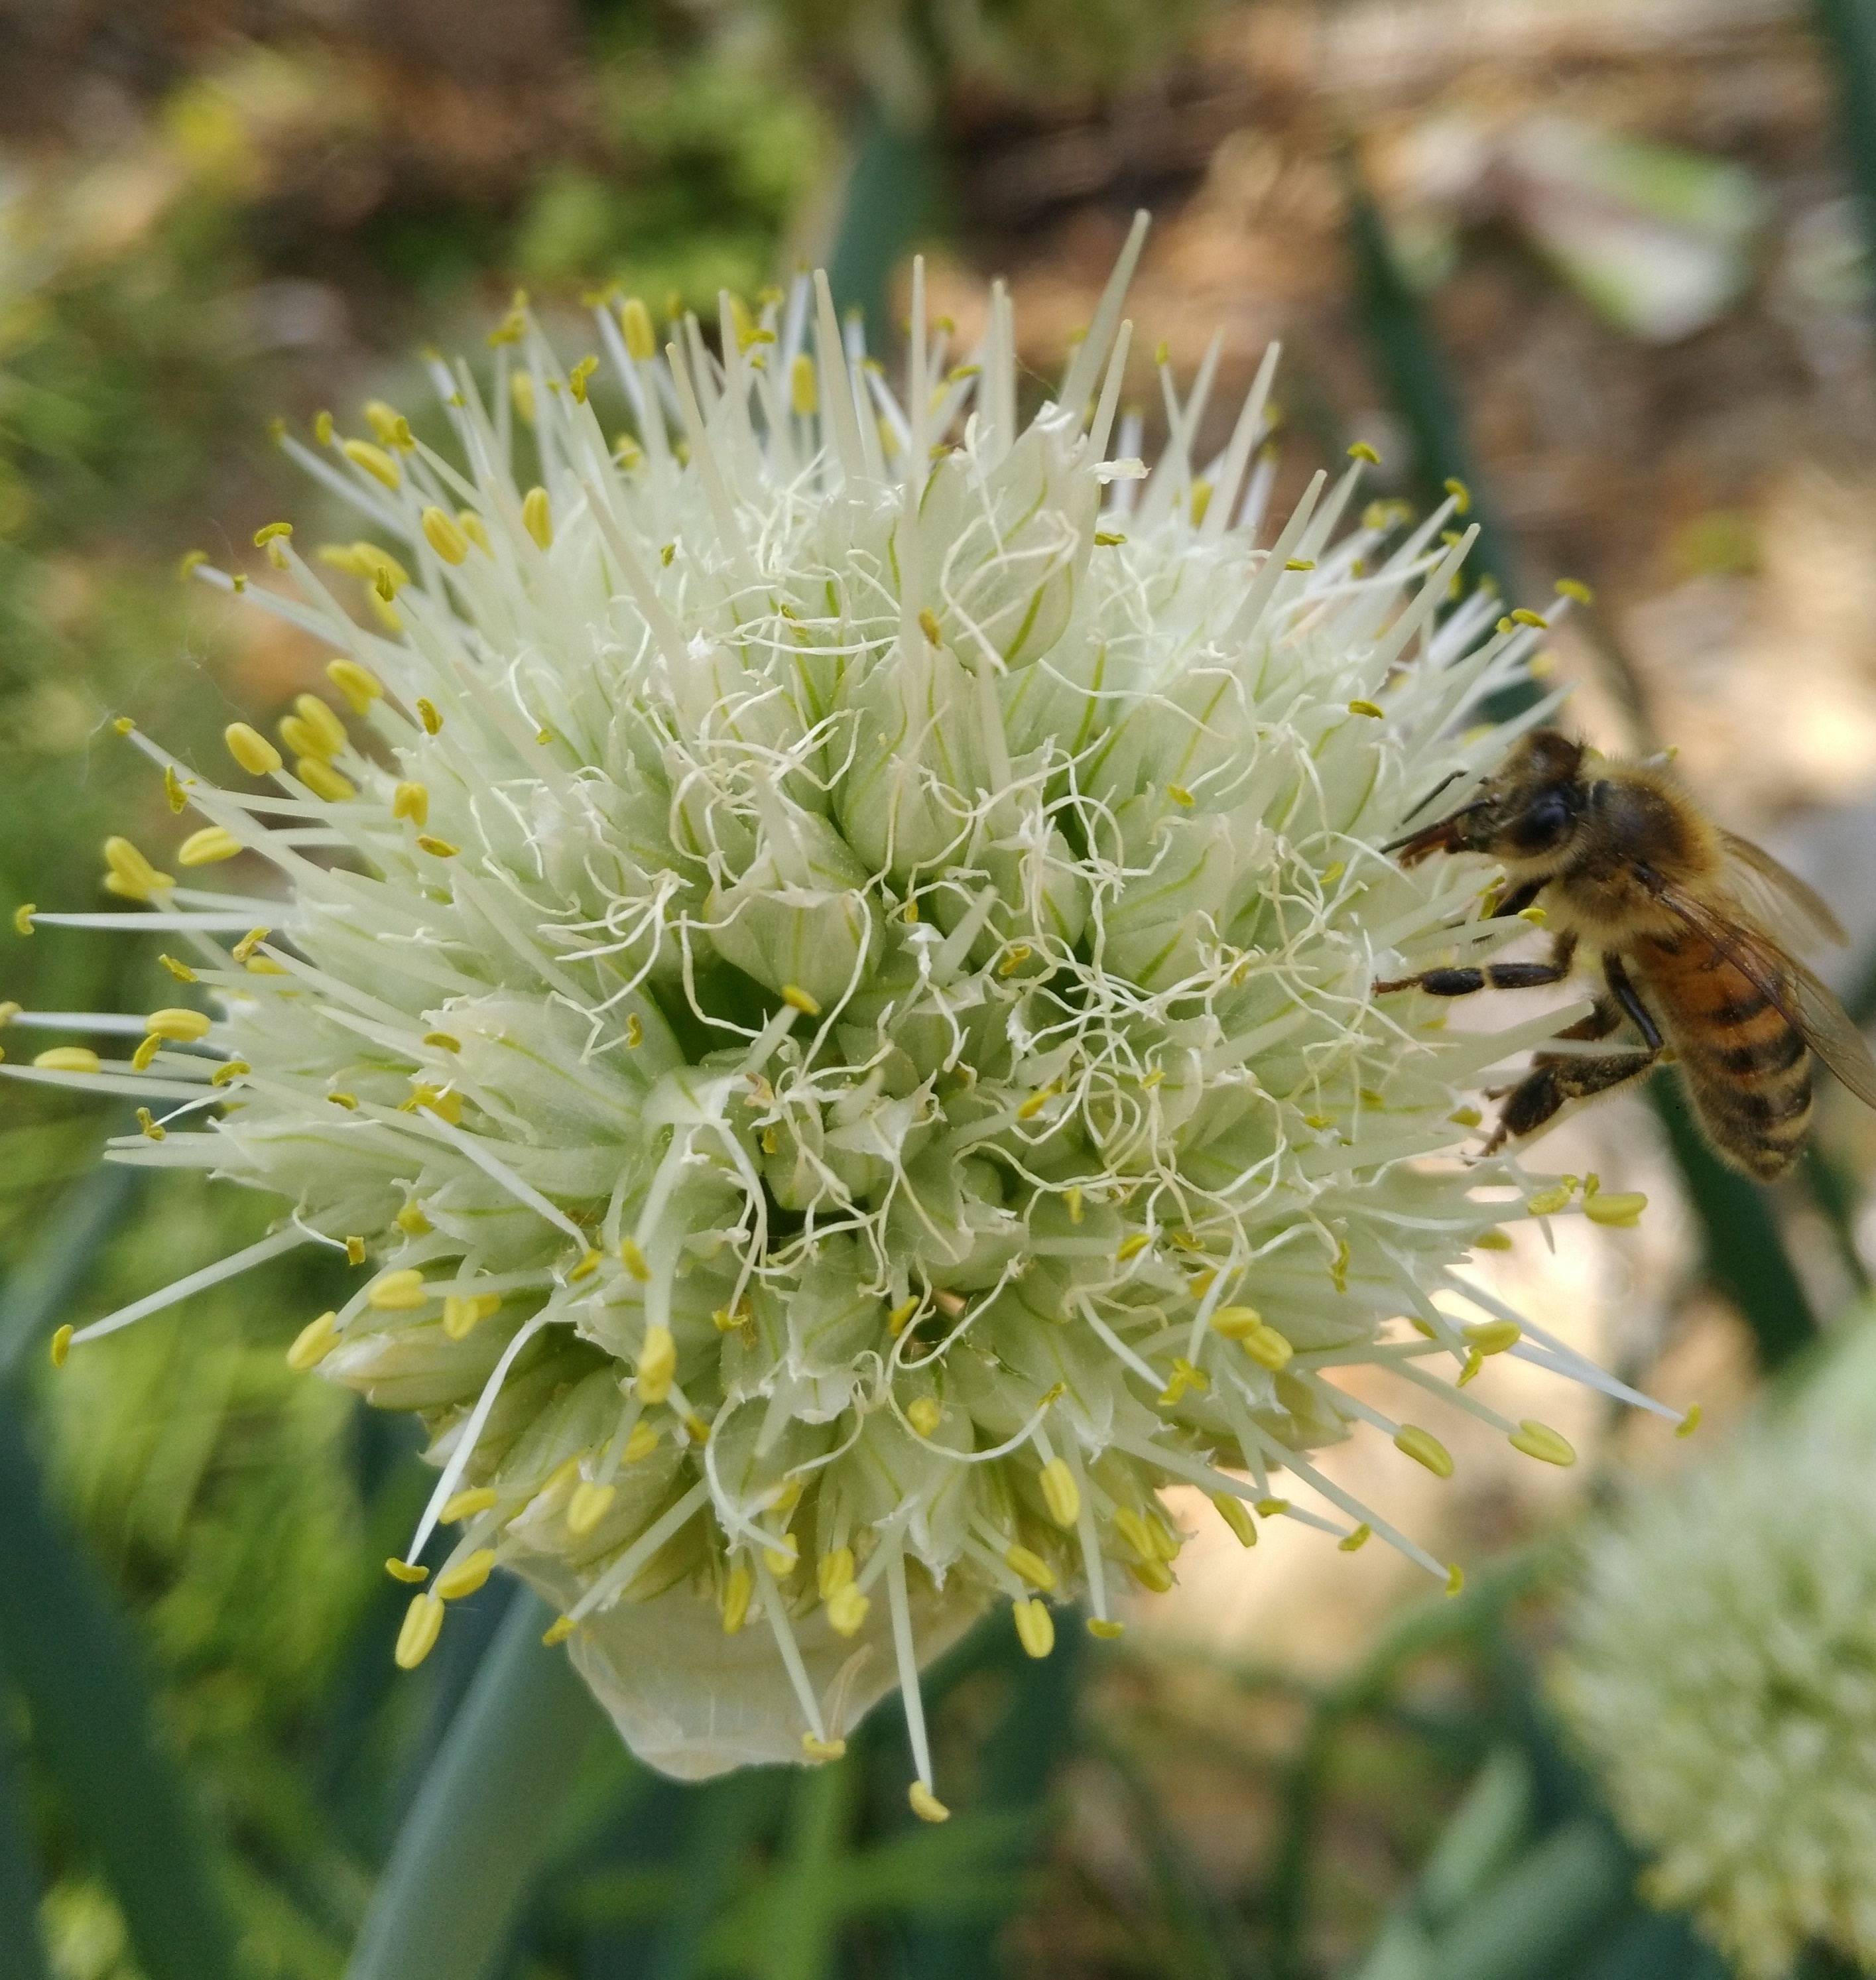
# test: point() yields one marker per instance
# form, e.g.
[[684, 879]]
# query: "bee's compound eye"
[[1542, 822]]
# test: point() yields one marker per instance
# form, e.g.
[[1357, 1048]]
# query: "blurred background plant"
[[1608, 264]]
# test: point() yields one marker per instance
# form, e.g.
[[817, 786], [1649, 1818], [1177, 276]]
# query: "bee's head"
[[1525, 814]]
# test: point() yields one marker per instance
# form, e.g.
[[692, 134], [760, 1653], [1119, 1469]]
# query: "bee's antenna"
[[1444, 783]]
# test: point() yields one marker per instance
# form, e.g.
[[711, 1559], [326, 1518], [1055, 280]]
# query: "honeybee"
[[1693, 928]]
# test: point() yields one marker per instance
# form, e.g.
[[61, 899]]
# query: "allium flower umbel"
[[1722, 1673], [823, 954]]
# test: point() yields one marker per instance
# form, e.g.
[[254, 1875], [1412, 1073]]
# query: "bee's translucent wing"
[[1808, 1003], [1770, 892]]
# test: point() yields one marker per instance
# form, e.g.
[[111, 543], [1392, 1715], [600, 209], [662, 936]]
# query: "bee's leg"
[[1490, 975], [1555, 1080], [1624, 991]]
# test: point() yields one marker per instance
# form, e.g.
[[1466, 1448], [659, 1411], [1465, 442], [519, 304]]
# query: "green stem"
[[468, 1854]]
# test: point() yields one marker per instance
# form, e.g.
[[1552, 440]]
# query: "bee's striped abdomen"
[[1746, 1065]]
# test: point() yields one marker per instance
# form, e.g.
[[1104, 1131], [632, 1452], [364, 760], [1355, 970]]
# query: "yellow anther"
[[348, 1101], [635, 320], [798, 999], [847, 1609], [1356, 1539], [1060, 1491], [833, 1571], [145, 1056], [268, 531], [1236, 1516], [9, 1010], [1539, 1440], [1522, 615], [1462, 495], [443, 1041], [391, 426], [558, 1630], [69, 1059], [1071, 1201], [925, 1805], [470, 523], [634, 1259], [1455, 1579], [804, 389], [427, 714], [373, 460], [1107, 539], [360, 686], [822, 1750], [537, 516], [1361, 450], [1035, 1627], [303, 739], [1134, 1530], [60, 1345], [1031, 1566], [148, 1126], [406, 1571], [466, 1577], [1571, 587], [896, 1320], [467, 1505], [1493, 1336], [733, 1605], [438, 849], [1018, 954], [635, 1031], [22, 917], [423, 1621], [1548, 1202], [588, 1265], [401, 1291], [1424, 1448], [445, 536], [641, 1444], [244, 950], [190, 562], [1105, 1628], [173, 790], [577, 376], [1201, 500], [924, 1414], [324, 781], [589, 1505], [1131, 1247], [129, 874], [1372, 709], [180, 1026], [1332, 872], [657, 1364], [1299, 563], [1181, 796], [355, 1248], [1153, 1574], [462, 1312], [208, 847], [780, 1559], [322, 723], [1619, 1209], [1035, 1103], [412, 801]]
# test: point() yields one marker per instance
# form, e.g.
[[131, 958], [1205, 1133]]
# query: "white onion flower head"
[[823, 953], [1721, 1675]]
